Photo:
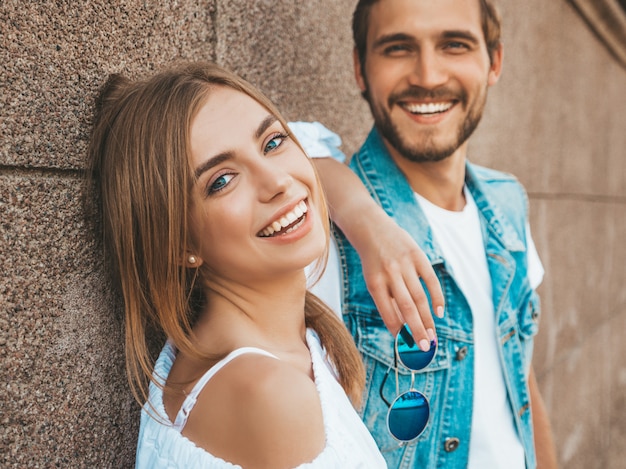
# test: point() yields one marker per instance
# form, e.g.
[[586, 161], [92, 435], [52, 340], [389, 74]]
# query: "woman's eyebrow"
[[221, 157], [263, 126], [212, 162]]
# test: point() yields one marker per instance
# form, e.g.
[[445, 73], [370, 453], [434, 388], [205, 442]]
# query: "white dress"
[[348, 443]]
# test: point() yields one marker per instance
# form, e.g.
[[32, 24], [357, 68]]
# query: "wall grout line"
[[569, 196], [560, 359], [48, 172]]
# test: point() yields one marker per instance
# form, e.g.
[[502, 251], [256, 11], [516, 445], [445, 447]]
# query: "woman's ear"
[[192, 261]]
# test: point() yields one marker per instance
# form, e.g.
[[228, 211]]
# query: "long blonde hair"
[[141, 182]]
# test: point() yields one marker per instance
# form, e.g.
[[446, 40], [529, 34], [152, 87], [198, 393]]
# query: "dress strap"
[[192, 397]]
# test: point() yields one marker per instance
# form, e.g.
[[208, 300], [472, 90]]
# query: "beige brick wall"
[[555, 120]]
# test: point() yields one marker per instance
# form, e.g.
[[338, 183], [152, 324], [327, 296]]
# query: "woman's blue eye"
[[221, 182], [275, 142]]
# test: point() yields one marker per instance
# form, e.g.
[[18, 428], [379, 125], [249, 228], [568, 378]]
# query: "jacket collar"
[[390, 188]]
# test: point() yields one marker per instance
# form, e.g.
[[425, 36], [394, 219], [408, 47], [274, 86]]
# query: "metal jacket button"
[[535, 314], [461, 353], [451, 444]]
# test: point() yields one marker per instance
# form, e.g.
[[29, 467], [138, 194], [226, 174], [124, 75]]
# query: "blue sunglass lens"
[[408, 415], [409, 352]]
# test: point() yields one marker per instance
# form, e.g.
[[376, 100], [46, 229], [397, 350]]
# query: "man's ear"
[[495, 70], [358, 72]]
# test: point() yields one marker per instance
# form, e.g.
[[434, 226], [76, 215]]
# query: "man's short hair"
[[360, 24]]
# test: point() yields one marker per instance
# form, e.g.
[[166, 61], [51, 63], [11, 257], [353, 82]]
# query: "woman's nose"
[[272, 179]]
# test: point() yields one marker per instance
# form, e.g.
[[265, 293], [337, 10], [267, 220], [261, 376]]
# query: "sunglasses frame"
[[408, 338]]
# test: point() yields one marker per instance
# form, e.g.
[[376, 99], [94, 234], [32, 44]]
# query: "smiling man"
[[425, 67]]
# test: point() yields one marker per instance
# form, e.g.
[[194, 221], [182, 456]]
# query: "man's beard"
[[427, 150]]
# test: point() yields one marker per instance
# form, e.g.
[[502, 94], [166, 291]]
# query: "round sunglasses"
[[409, 412]]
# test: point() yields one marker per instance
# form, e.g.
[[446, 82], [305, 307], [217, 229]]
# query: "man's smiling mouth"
[[287, 223], [426, 108]]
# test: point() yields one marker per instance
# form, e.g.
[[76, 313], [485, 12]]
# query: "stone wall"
[[553, 120]]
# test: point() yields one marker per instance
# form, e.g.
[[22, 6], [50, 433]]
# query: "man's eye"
[[276, 141], [456, 45], [219, 183], [396, 49]]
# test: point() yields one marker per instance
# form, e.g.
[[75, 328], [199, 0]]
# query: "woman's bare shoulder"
[[259, 412]]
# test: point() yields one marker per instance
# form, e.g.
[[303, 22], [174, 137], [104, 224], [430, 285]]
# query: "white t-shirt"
[[494, 442]]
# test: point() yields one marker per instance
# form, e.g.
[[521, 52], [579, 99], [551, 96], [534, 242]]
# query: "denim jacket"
[[448, 380]]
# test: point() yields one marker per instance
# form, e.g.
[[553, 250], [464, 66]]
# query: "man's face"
[[426, 74]]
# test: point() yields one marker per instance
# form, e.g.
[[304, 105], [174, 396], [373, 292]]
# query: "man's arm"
[[544, 441], [392, 262]]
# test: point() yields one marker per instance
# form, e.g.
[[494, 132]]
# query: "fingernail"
[[439, 312], [424, 345], [431, 334]]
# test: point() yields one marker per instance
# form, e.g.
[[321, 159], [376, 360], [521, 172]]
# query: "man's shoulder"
[[501, 190], [498, 183], [492, 175]]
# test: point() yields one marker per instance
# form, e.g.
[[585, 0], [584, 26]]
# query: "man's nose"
[[429, 70]]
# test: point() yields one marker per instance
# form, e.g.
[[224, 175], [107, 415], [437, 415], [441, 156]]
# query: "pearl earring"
[[192, 260]]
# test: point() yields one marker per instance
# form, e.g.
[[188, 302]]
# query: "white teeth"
[[286, 220], [296, 226], [427, 108]]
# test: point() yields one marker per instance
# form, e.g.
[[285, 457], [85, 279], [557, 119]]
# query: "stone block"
[[65, 400], [54, 56]]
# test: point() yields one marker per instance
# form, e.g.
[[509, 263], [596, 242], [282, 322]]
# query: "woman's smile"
[[287, 223]]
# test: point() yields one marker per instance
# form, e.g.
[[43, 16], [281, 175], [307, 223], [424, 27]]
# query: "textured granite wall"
[[554, 120]]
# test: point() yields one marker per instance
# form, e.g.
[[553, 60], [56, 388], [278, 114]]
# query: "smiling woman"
[[252, 178], [210, 213]]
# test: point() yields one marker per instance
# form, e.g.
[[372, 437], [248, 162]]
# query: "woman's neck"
[[267, 313]]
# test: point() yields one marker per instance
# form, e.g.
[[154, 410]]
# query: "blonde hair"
[[140, 183]]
